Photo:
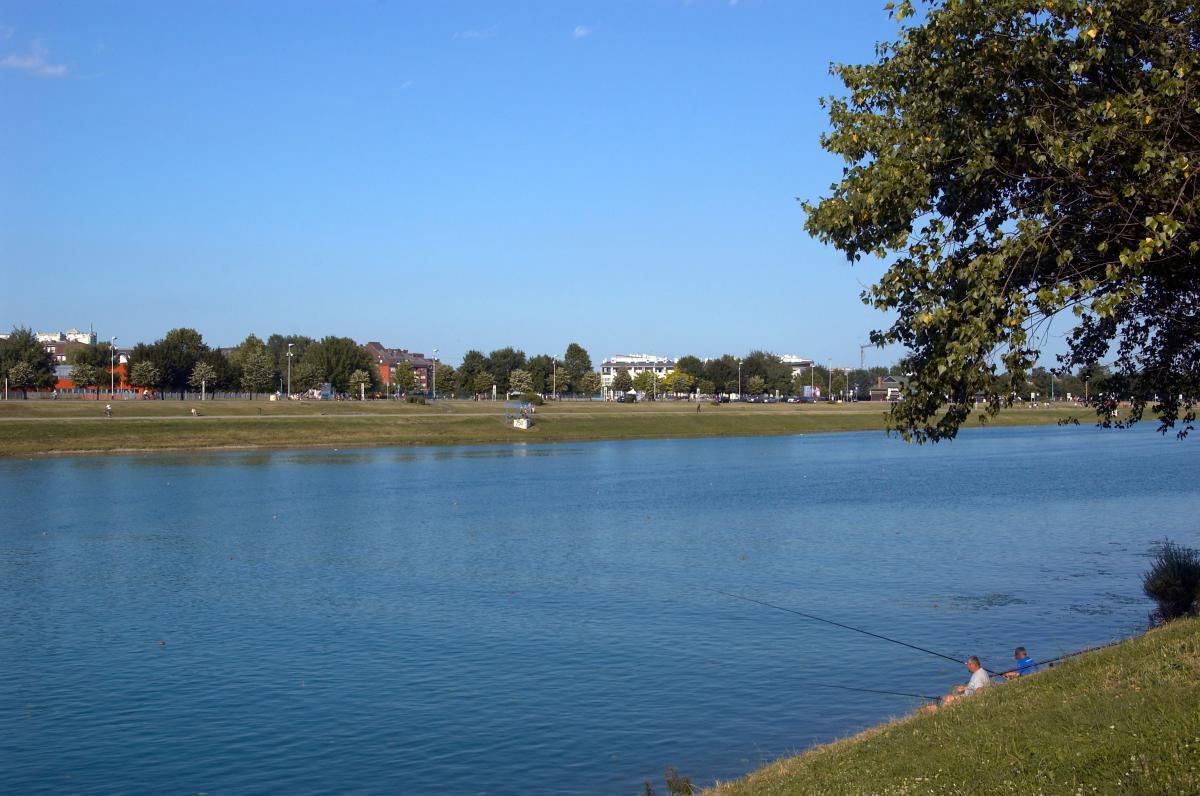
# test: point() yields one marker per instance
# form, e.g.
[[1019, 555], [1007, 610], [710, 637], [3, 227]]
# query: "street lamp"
[[112, 366], [435, 366], [739, 379], [289, 356]]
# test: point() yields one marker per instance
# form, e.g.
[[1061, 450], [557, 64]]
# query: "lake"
[[539, 619]]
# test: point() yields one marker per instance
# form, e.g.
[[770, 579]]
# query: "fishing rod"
[[1052, 661], [835, 624], [870, 690]]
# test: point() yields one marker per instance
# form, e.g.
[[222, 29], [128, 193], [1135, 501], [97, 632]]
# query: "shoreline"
[[61, 431]]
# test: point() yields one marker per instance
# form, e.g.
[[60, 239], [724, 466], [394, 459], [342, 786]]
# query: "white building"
[[635, 364], [797, 364], [71, 335]]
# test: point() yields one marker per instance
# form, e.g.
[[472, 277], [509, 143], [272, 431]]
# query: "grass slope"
[[1125, 720], [60, 427]]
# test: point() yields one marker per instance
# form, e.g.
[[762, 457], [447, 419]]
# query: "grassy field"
[[66, 427], [1125, 720]]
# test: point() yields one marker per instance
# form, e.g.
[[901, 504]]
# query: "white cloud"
[[476, 35], [581, 31], [35, 62]]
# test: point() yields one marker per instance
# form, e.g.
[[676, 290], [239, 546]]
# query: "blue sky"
[[454, 175]]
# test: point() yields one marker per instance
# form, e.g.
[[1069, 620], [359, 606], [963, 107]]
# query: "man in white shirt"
[[979, 679]]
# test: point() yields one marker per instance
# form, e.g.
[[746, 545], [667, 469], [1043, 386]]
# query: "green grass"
[[1124, 720], [74, 426]]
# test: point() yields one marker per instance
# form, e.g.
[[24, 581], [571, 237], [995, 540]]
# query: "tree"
[[359, 380], [277, 346], [175, 356], [520, 381], [86, 375], [143, 374], [622, 382], [306, 376], [403, 378], [776, 375], [691, 365], [1014, 161], [588, 383], [472, 365], [540, 367], [576, 361], [203, 375], [22, 346], [501, 363], [99, 355], [335, 358], [22, 376], [722, 372], [251, 345], [258, 371], [646, 382], [756, 385], [484, 383], [444, 379]]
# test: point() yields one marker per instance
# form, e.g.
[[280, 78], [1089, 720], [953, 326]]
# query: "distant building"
[[388, 358], [70, 335], [797, 364], [635, 364], [888, 388]]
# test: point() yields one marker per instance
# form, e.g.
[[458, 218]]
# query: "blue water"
[[534, 619]]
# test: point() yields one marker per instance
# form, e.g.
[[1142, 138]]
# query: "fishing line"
[[1052, 661], [869, 690], [835, 624]]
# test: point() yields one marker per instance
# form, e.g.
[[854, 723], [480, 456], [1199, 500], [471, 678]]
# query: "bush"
[[1173, 581], [416, 399], [532, 398]]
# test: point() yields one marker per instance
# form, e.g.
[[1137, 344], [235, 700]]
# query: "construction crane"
[[862, 356]]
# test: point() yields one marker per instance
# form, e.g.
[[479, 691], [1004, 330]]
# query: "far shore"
[[78, 427]]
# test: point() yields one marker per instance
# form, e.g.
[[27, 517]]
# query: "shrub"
[[1173, 581], [416, 399], [532, 398]]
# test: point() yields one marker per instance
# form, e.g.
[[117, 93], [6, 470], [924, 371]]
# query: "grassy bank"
[[64, 427], [1124, 720]]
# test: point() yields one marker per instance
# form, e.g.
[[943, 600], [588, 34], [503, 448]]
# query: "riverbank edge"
[[1123, 719], [561, 432]]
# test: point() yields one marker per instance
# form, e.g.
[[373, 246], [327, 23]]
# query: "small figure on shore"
[[108, 410], [697, 407], [979, 679], [1025, 664], [195, 412]]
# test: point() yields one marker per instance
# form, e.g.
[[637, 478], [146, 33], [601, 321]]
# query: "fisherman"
[[1025, 665], [979, 679]]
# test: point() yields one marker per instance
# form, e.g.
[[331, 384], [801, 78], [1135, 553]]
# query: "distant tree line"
[[182, 361]]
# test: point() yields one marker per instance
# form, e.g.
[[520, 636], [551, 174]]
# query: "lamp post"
[[112, 366], [434, 371], [829, 362], [289, 356], [739, 379]]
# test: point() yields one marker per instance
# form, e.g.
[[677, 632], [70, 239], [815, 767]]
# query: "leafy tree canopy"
[[622, 382], [520, 381], [576, 360], [21, 347], [588, 383], [1014, 160], [335, 358], [444, 379]]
